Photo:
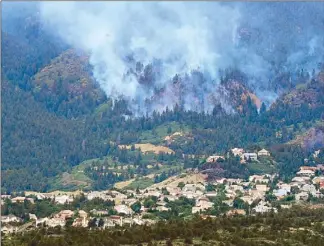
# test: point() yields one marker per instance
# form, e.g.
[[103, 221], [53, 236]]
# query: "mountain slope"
[[36, 144], [66, 85]]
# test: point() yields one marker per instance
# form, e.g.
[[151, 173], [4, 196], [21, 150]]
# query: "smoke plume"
[[157, 54]]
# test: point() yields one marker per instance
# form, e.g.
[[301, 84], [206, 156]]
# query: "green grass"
[[157, 135], [103, 107], [141, 183], [265, 165], [78, 173]]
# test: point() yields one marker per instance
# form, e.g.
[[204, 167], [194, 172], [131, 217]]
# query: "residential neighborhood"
[[262, 193]]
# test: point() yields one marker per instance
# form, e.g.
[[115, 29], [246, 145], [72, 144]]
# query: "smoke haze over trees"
[[159, 54]]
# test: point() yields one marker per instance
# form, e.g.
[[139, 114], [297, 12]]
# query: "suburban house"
[[123, 209], [307, 173], [10, 218], [82, 214], [256, 178], [214, 158], [98, 194], [229, 202], [318, 180], [308, 188], [211, 194], [64, 214], [53, 222], [285, 186], [301, 180], [248, 199], [263, 152], [281, 193], [261, 187], [32, 217], [237, 152], [99, 212], [201, 206], [263, 207], [250, 156], [41, 221], [302, 196], [63, 199], [162, 208], [80, 222], [8, 229], [21, 199], [236, 212], [320, 167], [308, 168]]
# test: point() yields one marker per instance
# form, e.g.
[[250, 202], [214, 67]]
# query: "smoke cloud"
[[157, 54]]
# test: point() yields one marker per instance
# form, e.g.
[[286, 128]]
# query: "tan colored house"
[[21, 199], [123, 209], [64, 214], [263, 152], [308, 168], [237, 152], [307, 173], [236, 212], [82, 214], [214, 158], [53, 222], [261, 187]]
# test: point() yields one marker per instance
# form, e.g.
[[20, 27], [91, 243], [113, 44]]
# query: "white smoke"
[[177, 38], [183, 36]]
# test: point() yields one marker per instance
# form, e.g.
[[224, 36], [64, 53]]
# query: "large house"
[[64, 214], [21, 199], [263, 207], [237, 152], [10, 218], [307, 173], [63, 199], [123, 209], [250, 156], [214, 158], [263, 152]]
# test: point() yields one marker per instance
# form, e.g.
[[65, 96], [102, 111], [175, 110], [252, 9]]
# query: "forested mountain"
[[56, 114]]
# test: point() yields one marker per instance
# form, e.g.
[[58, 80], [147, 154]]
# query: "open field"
[[158, 135], [55, 193], [147, 147]]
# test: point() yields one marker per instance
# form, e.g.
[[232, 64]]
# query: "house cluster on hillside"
[[237, 196], [244, 156]]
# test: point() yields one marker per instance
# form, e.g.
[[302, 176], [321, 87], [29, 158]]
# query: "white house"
[[63, 199], [250, 156], [307, 173], [8, 229], [302, 196], [10, 218], [263, 207], [123, 209], [237, 152]]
